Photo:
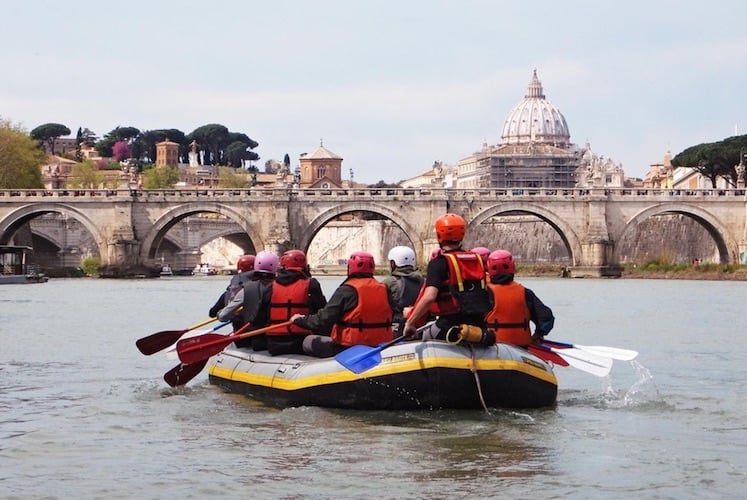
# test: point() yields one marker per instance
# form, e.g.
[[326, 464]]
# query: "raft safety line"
[[473, 369]]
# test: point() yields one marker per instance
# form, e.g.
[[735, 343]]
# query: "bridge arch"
[[725, 243], [565, 231], [20, 216], [171, 217], [314, 225]]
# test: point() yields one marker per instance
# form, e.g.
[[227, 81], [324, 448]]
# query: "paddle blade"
[[610, 352], [181, 373], [158, 341], [547, 355], [590, 363], [359, 358], [196, 349]]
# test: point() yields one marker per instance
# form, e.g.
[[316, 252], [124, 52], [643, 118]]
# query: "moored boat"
[[411, 375], [15, 267]]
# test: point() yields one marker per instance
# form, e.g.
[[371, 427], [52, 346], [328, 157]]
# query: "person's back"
[[359, 312], [293, 292], [404, 282], [253, 299], [455, 289], [514, 305], [245, 273]]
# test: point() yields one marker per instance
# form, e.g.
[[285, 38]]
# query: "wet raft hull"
[[416, 375]]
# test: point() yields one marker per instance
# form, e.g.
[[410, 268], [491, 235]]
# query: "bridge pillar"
[[597, 249], [123, 251]]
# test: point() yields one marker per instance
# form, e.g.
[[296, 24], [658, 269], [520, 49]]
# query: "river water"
[[84, 415]]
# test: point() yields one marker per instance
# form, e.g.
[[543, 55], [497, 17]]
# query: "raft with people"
[[405, 376], [460, 338]]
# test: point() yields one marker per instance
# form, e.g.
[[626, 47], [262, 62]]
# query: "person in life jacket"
[[484, 253], [404, 282], [293, 292], [514, 305], [455, 286], [359, 312], [245, 271], [253, 299]]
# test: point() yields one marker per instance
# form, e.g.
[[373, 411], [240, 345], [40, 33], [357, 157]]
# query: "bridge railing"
[[384, 194]]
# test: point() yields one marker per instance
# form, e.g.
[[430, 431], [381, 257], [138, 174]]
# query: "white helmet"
[[402, 256]]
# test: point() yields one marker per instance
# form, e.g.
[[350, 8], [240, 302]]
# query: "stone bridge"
[[129, 225]]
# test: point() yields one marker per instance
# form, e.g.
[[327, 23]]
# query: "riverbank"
[[713, 272]]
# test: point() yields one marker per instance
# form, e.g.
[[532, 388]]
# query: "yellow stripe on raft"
[[398, 364]]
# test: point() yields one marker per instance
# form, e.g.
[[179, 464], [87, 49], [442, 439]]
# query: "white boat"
[[15, 267]]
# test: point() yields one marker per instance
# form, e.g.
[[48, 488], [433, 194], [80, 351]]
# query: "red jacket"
[[287, 300], [510, 315], [368, 323]]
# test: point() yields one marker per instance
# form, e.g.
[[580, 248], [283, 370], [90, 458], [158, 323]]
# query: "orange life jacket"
[[510, 315], [464, 291], [370, 322], [286, 300]]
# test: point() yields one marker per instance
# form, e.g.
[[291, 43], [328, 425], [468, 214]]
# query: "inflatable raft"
[[413, 375]]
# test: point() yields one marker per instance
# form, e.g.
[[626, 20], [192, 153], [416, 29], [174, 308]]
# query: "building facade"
[[535, 151]]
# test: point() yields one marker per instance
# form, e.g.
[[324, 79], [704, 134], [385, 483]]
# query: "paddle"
[[359, 358], [546, 355], [202, 347], [181, 373], [171, 350], [600, 350], [585, 361], [163, 339], [184, 372]]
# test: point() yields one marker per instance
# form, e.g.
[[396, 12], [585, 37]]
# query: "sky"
[[390, 86]]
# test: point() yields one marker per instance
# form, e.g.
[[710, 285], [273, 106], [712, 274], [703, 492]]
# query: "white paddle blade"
[[585, 361], [610, 352]]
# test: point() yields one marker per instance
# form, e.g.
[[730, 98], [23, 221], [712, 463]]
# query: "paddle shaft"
[[202, 347], [163, 339]]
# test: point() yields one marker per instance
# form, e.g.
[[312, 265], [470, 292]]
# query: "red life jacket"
[[510, 315], [464, 291], [370, 322], [287, 300]]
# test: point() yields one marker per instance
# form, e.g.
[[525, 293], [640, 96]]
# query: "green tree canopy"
[[85, 175], [49, 133], [715, 159], [20, 158], [230, 178], [162, 177], [105, 146]]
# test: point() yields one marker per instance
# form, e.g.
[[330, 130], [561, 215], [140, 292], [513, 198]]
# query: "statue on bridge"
[[193, 155]]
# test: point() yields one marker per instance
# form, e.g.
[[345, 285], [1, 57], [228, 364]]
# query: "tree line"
[[716, 159], [216, 143]]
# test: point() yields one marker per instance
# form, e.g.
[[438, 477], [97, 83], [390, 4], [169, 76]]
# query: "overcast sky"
[[390, 86]]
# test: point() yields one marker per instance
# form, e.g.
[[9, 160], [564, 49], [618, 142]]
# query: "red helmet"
[[245, 263], [361, 262], [293, 259], [501, 262], [450, 227], [483, 252]]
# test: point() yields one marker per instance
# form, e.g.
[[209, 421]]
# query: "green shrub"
[[91, 266]]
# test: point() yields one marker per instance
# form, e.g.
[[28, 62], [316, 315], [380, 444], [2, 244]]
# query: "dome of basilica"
[[535, 120]]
